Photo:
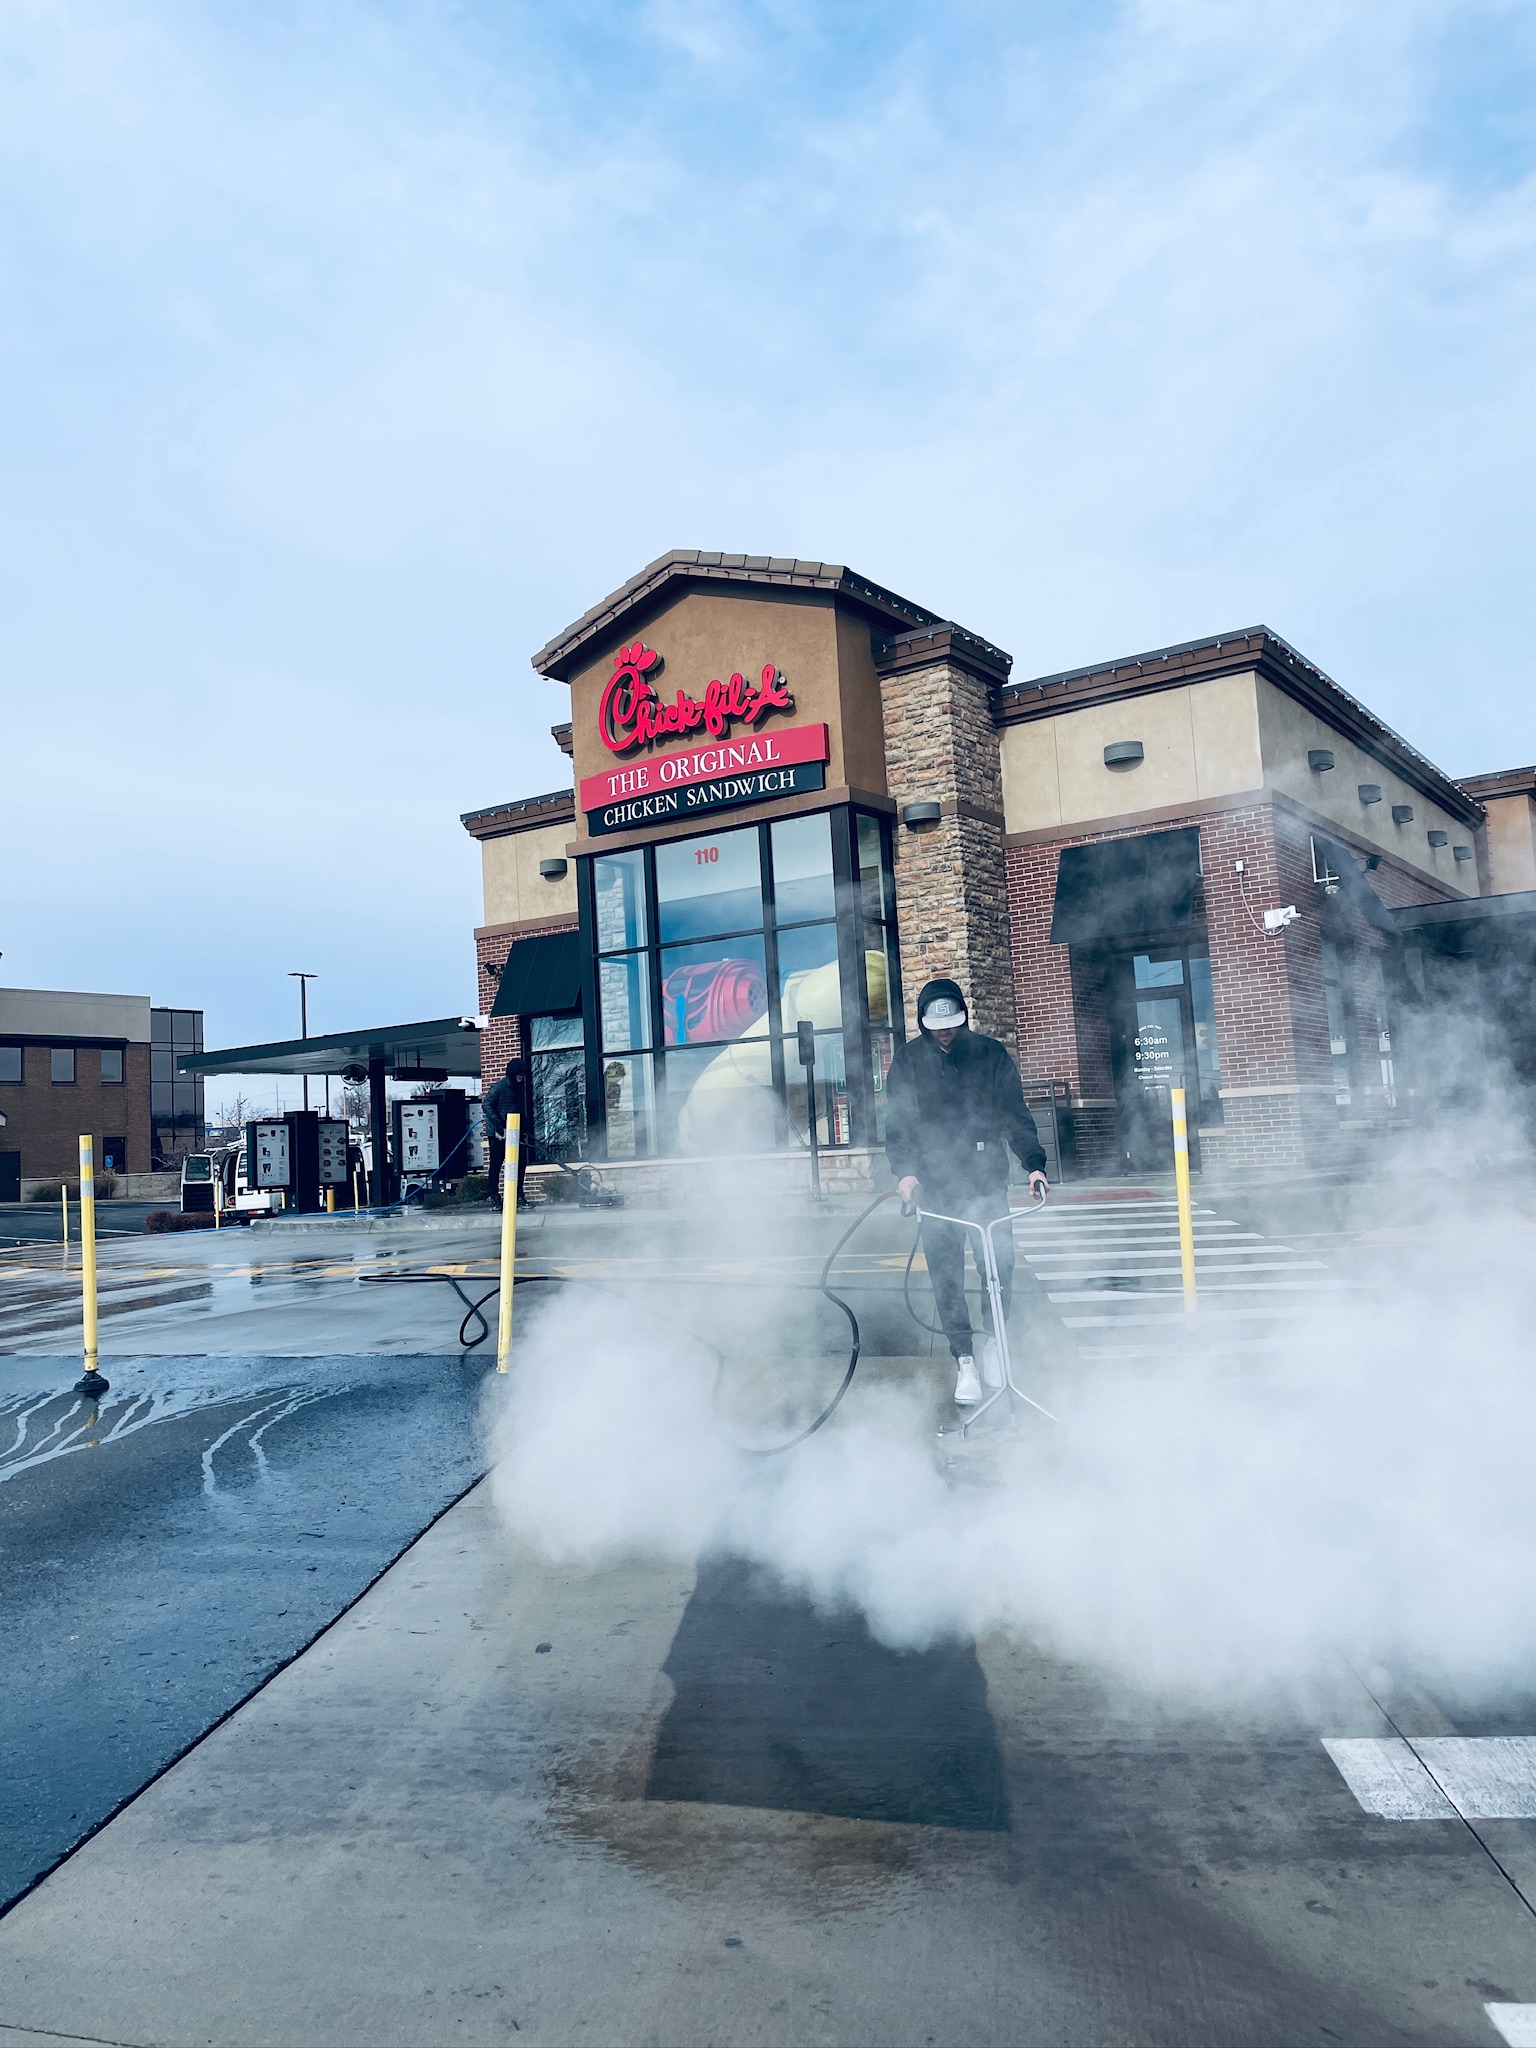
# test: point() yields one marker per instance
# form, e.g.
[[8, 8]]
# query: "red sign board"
[[632, 715], [743, 755]]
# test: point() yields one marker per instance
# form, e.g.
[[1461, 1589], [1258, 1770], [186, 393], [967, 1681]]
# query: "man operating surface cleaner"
[[955, 1105]]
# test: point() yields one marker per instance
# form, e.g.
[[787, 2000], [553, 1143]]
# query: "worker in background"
[[507, 1097], [954, 1107]]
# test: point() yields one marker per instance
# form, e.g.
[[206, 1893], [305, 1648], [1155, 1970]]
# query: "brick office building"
[[798, 796], [73, 1063]]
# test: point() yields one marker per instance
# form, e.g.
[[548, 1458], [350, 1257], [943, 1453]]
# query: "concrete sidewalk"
[[505, 1801], [430, 1829]]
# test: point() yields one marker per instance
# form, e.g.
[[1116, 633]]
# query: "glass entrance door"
[[1162, 1037]]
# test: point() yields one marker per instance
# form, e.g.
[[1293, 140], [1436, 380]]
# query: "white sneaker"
[[967, 1385], [991, 1365]]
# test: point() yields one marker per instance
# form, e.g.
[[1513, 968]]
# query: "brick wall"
[[501, 1040], [1271, 1011], [45, 1120], [951, 880]]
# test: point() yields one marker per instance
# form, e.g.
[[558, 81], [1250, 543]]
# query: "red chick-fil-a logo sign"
[[632, 715]]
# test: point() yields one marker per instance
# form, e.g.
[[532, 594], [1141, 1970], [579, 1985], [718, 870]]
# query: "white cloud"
[[359, 351]]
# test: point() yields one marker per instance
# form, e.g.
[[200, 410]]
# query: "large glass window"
[[712, 951], [175, 1100], [624, 999], [618, 891], [111, 1067], [1339, 997], [803, 886], [880, 963], [628, 1107], [712, 991], [709, 886], [10, 1062], [558, 1074]]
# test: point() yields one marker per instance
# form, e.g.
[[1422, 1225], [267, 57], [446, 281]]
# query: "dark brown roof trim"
[[560, 656], [1517, 903], [1500, 782], [525, 815], [926, 646], [1255, 647], [564, 737]]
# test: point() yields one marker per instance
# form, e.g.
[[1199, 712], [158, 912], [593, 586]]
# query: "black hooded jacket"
[[951, 1116]]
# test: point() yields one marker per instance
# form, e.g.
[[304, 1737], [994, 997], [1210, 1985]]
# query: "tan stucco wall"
[[515, 891], [1201, 740], [825, 658], [1289, 729], [1510, 847]]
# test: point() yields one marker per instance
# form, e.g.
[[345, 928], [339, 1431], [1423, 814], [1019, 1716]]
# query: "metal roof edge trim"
[[1263, 642], [781, 571]]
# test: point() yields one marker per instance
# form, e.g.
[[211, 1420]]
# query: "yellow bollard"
[[330, 1199], [64, 1198], [1186, 1215], [91, 1381], [218, 1197], [508, 1241]]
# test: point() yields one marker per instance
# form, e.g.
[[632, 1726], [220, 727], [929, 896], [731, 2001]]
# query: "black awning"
[[541, 975], [1350, 878], [1127, 888]]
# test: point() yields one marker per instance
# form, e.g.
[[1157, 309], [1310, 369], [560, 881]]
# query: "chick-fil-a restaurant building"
[[797, 796]]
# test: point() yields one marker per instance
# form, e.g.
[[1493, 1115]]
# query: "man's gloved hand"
[[907, 1189], [1039, 1186]]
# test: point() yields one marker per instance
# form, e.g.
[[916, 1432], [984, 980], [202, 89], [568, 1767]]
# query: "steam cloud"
[[1214, 1524]]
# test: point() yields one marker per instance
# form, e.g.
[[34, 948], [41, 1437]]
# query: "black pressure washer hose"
[[475, 1311]]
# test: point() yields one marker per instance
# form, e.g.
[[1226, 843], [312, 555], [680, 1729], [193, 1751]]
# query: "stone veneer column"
[[941, 744]]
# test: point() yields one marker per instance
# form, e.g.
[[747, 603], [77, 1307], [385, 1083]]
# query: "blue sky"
[[349, 351]]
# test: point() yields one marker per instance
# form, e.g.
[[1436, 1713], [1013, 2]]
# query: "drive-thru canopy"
[[430, 1051]]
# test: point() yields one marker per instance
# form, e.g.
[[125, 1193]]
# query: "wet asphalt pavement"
[[163, 1552], [637, 1800]]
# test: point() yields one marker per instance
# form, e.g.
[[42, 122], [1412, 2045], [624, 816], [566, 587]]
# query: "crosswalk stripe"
[[1517, 2023], [1171, 1319], [1217, 1287], [1172, 1266], [1475, 1777], [1219, 1248]]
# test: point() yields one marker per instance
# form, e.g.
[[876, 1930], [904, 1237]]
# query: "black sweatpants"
[[495, 1159], [944, 1248]]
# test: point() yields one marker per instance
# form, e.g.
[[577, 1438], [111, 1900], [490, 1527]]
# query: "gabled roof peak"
[[567, 651]]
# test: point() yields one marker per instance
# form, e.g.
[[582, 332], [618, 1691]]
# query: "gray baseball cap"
[[942, 1014]]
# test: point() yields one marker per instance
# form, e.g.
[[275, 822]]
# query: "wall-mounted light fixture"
[[1124, 754], [915, 815], [1370, 792], [1462, 852], [1439, 838], [1319, 759], [553, 870], [1402, 814]]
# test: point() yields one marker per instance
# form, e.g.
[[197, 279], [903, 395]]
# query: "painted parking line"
[[1471, 1777], [1517, 2023]]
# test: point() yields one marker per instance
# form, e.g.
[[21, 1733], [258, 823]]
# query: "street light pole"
[[296, 974]]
